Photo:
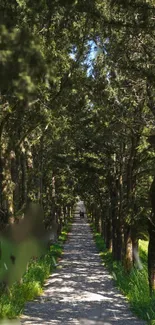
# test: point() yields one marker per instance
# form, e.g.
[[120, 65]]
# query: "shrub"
[[134, 286], [12, 304]]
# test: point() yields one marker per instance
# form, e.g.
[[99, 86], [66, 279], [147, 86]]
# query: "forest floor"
[[81, 291]]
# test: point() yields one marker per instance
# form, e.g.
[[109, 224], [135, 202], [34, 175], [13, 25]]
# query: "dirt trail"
[[81, 290]]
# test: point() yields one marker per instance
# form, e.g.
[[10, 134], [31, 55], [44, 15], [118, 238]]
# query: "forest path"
[[81, 291]]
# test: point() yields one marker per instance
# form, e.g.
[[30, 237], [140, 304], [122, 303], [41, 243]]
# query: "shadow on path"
[[81, 291]]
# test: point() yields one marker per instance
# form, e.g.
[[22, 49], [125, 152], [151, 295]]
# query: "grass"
[[12, 304], [134, 286]]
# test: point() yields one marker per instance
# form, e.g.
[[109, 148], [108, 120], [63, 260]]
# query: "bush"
[[134, 286], [12, 303]]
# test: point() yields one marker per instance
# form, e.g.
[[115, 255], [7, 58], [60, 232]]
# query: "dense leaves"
[[77, 116]]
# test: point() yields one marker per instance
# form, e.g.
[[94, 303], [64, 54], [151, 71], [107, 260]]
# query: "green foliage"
[[133, 286], [64, 234], [73, 122], [12, 303]]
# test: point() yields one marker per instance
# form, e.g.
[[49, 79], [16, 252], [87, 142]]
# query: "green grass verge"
[[134, 286], [12, 304]]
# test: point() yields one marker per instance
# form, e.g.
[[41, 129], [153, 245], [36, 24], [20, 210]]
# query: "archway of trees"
[[77, 116]]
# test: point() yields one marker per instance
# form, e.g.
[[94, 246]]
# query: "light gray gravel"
[[81, 290]]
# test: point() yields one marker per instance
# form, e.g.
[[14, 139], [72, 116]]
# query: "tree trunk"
[[108, 235], [151, 247], [135, 250], [23, 179], [1, 182], [8, 188], [69, 212], [102, 224], [15, 164], [40, 189], [113, 196], [114, 239], [64, 213], [119, 241], [128, 254], [151, 258], [97, 218]]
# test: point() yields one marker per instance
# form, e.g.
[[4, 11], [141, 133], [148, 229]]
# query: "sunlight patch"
[[86, 296], [91, 322]]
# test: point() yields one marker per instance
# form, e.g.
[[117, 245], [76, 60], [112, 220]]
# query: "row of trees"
[[72, 122], [35, 64], [123, 125]]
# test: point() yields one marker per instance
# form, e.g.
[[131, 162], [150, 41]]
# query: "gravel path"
[[81, 290]]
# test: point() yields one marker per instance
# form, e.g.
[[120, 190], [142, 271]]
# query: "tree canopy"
[[77, 115]]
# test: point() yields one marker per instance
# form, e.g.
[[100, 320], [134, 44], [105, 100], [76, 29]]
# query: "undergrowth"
[[12, 303], [134, 285]]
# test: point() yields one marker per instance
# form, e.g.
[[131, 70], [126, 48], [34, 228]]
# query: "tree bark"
[[151, 247], [8, 188], [64, 213], [108, 240], [119, 247], [128, 254], [97, 218], [113, 198], [151, 258], [1, 182], [135, 248], [23, 179]]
